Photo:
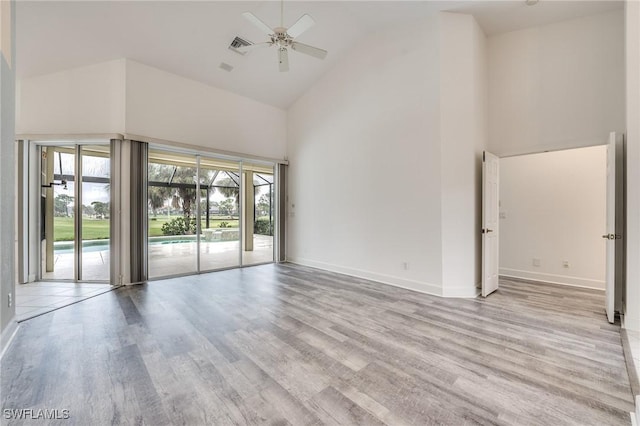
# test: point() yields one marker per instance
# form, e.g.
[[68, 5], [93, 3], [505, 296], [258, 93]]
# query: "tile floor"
[[37, 298]]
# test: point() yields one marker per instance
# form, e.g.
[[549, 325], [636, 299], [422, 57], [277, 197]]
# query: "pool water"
[[66, 247]]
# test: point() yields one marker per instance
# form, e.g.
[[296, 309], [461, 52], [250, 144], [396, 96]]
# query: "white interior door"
[[610, 236], [490, 195]]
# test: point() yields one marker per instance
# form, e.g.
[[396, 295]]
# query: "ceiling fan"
[[284, 38]]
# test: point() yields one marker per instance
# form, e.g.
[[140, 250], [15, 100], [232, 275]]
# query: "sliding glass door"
[[220, 214], [172, 214], [259, 214], [208, 213], [75, 219], [58, 219], [95, 220]]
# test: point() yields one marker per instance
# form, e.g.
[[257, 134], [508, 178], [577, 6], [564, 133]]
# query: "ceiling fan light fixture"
[[284, 38]]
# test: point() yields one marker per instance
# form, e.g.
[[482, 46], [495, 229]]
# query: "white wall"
[[364, 174], [463, 113], [7, 167], [554, 207], [81, 100], [166, 106], [381, 170], [632, 54], [557, 86], [123, 96]]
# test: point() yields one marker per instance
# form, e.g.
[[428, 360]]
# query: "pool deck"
[[169, 259]]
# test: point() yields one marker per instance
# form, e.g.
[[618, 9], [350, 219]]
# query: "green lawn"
[[97, 229], [92, 229]]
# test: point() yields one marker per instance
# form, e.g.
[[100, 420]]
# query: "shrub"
[[263, 227], [178, 226], [224, 225]]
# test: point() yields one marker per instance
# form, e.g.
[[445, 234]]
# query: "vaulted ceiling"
[[191, 39]]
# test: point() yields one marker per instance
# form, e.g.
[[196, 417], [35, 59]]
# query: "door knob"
[[609, 236], [486, 230]]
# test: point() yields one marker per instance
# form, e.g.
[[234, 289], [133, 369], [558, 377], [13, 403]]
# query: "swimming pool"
[[88, 246]]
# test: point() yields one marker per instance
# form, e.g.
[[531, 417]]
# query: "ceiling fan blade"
[[258, 23], [309, 50], [283, 59], [303, 24], [254, 46]]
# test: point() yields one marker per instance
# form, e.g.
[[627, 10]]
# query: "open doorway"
[[552, 216], [557, 198]]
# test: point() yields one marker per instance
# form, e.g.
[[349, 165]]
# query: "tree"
[[263, 206], [61, 204], [101, 209], [229, 188], [182, 196], [157, 197], [227, 206], [88, 210]]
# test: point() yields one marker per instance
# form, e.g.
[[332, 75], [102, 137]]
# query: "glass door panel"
[[57, 213], [172, 213], [259, 213], [219, 218], [94, 213]]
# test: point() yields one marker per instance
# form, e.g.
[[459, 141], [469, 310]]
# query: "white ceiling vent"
[[237, 43], [226, 66]]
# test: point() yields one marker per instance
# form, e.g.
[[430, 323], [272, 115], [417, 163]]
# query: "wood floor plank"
[[290, 345]]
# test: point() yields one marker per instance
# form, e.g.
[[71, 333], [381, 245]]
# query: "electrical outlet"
[[536, 262], [10, 301], [503, 215], [405, 265], [565, 263]]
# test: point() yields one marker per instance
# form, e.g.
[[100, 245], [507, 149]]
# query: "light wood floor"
[[281, 344]]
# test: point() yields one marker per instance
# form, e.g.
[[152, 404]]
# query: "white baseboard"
[[553, 278], [7, 336], [464, 292], [631, 322], [418, 286]]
